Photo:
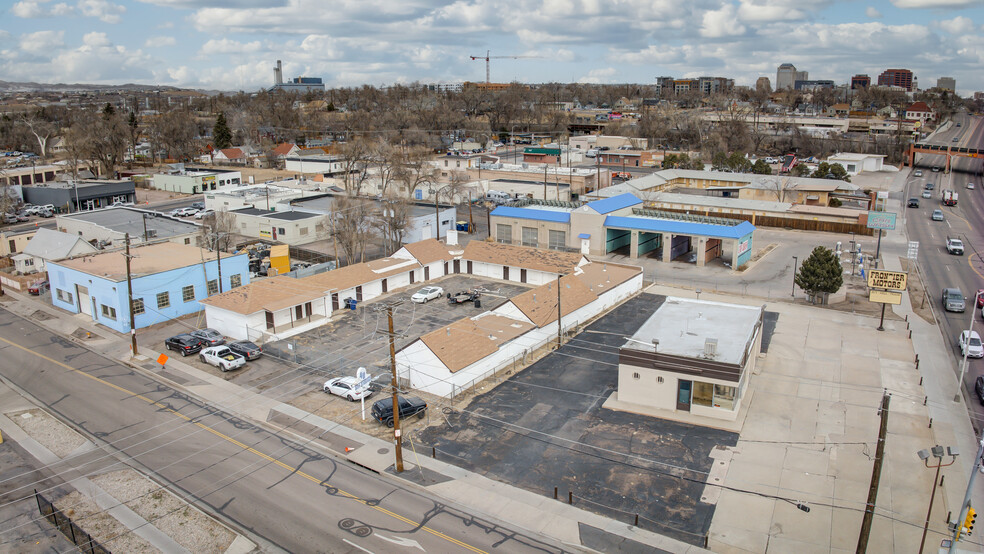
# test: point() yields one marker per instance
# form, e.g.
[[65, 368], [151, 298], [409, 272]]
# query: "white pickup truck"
[[954, 246], [222, 357]]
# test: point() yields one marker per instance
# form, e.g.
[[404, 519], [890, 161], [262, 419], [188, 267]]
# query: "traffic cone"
[[347, 449]]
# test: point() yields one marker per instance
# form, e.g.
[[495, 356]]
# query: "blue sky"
[[234, 44]]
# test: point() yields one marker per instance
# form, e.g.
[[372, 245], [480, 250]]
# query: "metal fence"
[[63, 523]]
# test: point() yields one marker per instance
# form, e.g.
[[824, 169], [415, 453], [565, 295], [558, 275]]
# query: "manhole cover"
[[382, 451], [42, 315]]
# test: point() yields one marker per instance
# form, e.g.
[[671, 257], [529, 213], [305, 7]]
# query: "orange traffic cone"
[[347, 449]]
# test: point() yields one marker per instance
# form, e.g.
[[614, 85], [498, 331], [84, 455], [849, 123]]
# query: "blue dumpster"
[[350, 303], [461, 226]]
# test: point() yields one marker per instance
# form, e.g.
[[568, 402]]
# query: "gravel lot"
[[103, 527], [179, 520], [48, 431]]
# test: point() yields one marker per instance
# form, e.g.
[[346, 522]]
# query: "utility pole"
[[218, 260], [560, 327], [544, 181], [267, 189], [129, 294], [471, 220], [869, 508], [144, 218], [396, 398]]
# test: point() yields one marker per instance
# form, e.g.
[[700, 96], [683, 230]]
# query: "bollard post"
[[433, 452], [637, 520], [930, 423], [925, 399], [555, 493], [920, 381], [910, 334], [570, 497]]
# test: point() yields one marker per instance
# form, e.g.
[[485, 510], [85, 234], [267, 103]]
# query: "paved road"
[[277, 490], [966, 220]]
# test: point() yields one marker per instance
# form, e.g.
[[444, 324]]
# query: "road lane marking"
[[246, 447]]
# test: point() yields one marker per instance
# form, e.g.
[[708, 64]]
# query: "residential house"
[[49, 245]]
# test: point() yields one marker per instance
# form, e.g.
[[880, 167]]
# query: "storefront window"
[[703, 394], [724, 397]]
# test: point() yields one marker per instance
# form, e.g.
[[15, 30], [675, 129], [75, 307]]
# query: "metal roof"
[[609, 205], [534, 214], [654, 225]]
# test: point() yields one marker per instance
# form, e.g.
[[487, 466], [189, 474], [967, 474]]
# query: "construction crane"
[[487, 57]]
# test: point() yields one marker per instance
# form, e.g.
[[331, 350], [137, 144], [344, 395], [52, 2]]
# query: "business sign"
[[743, 246], [890, 280], [264, 233], [881, 220], [885, 297]]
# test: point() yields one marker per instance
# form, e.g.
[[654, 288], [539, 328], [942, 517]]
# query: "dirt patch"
[[149, 195], [48, 431], [177, 519], [103, 527], [82, 334], [918, 296], [42, 315]]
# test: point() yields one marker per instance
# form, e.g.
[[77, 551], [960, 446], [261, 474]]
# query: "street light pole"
[[935, 452], [793, 293], [966, 348]]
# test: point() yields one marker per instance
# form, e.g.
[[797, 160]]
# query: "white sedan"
[[184, 212], [221, 357], [427, 293], [972, 348], [347, 387], [204, 213]]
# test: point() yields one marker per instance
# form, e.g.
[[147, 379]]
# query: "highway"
[[281, 493], [966, 221]]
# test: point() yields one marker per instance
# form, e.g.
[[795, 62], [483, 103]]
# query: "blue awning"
[[609, 205], [584, 236], [532, 213], [654, 225]]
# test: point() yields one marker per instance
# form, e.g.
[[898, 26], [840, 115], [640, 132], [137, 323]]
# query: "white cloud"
[[166, 25], [95, 40], [107, 12], [959, 25], [721, 23], [42, 42], [771, 10], [916, 4], [159, 42], [229, 46], [28, 9], [597, 76], [872, 12]]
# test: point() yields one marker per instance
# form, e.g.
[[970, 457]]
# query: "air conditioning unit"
[[710, 348], [151, 233]]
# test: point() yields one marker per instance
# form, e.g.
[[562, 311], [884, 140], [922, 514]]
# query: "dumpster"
[[350, 303], [478, 303], [461, 226]]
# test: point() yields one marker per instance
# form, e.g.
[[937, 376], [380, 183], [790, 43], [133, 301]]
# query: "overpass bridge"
[[942, 150]]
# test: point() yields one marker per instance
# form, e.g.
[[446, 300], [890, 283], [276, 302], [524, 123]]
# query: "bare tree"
[[779, 186], [355, 160], [416, 170], [218, 230], [40, 128], [352, 219], [392, 222]]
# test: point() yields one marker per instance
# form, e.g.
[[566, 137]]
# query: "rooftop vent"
[[710, 348]]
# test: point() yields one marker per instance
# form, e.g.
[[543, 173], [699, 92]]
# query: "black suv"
[[979, 388], [382, 410], [913, 202], [246, 349], [184, 343]]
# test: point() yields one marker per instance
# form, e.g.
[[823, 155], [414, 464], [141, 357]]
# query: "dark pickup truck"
[[382, 410]]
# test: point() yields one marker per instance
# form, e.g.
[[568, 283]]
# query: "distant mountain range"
[[8, 87]]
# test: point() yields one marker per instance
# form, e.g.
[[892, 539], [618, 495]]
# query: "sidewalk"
[[493, 500]]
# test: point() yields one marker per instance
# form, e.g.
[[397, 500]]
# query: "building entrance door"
[[683, 395], [85, 306]]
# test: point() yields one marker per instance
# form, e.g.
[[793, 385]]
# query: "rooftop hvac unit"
[[151, 233], [710, 348]]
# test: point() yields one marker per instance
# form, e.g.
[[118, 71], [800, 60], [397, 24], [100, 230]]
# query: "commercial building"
[[290, 227], [30, 175], [704, 85], [196, 180], [809, 85], [257, 196], [901, 78], [860, 81], [787, 75], [920, 111], [855, 163], [421, 217], [168, 280], [297, 84], [522, 179], [80, 195], [12, 242], [109, 226], [690, 356], [947, 83], [322, 164]]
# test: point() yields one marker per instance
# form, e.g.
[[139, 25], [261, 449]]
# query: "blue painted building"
[[168, 281]]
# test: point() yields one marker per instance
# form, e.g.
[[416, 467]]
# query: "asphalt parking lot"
[[545, 427]]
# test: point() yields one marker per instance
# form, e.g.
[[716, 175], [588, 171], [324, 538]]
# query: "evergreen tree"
[[221, 135], [109, 111], [761, 168], [820, 273]]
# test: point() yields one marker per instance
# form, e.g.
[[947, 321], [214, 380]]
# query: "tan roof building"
[[540, 304], [147, 260], [359, 274], [551, 261], [601, 277], [468, 340], [428, 251], [271, 294]]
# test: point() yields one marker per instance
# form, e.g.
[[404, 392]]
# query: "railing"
[[68, 528]]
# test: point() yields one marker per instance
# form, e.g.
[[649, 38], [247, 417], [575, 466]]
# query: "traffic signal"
[[968, 524]]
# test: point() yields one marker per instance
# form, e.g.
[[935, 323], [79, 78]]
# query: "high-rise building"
[[763, 84], [947, 83], [860, 81], [706, 85], [896, 78], [786, 76], [813, 85]]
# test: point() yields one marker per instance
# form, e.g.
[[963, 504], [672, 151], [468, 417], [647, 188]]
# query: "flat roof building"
[[110, 225]]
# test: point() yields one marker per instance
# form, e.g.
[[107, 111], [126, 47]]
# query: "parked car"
[[348, 388], [246, 349], [382, 410], [22, 217], [913, 202], [427, 293], [204, 213], [953, 300], [9, 218], [221, 357], [937, 215], [979, 388], [971, 348], [37, 288], [184, 343], [185, 212], [198, 205], [209, 336]]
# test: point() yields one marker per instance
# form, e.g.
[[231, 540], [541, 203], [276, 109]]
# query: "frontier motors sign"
[[887, 280]]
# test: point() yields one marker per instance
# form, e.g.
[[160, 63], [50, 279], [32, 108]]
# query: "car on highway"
[[913, 202], [425, 294], [918, 173], [936, 169], [970, 186], [930, 186], [37, 288], [246, 349], [972, 347], [937, 215], [927, 194], [348, 388], [204, 213], [184, 343], [209, 336], [953, 300], [221, 357], [382, 410], [185, 212], [979, 388], [955, 139]]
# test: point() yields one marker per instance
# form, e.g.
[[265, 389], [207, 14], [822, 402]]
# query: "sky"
[[234, 44]]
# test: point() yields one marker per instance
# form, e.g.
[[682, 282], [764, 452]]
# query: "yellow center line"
[[246, 447]]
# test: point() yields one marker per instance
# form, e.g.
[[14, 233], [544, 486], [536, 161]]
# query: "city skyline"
[[230, 45]]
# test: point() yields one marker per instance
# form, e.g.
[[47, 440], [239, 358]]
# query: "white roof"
[[682, 326], [48, 244]]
